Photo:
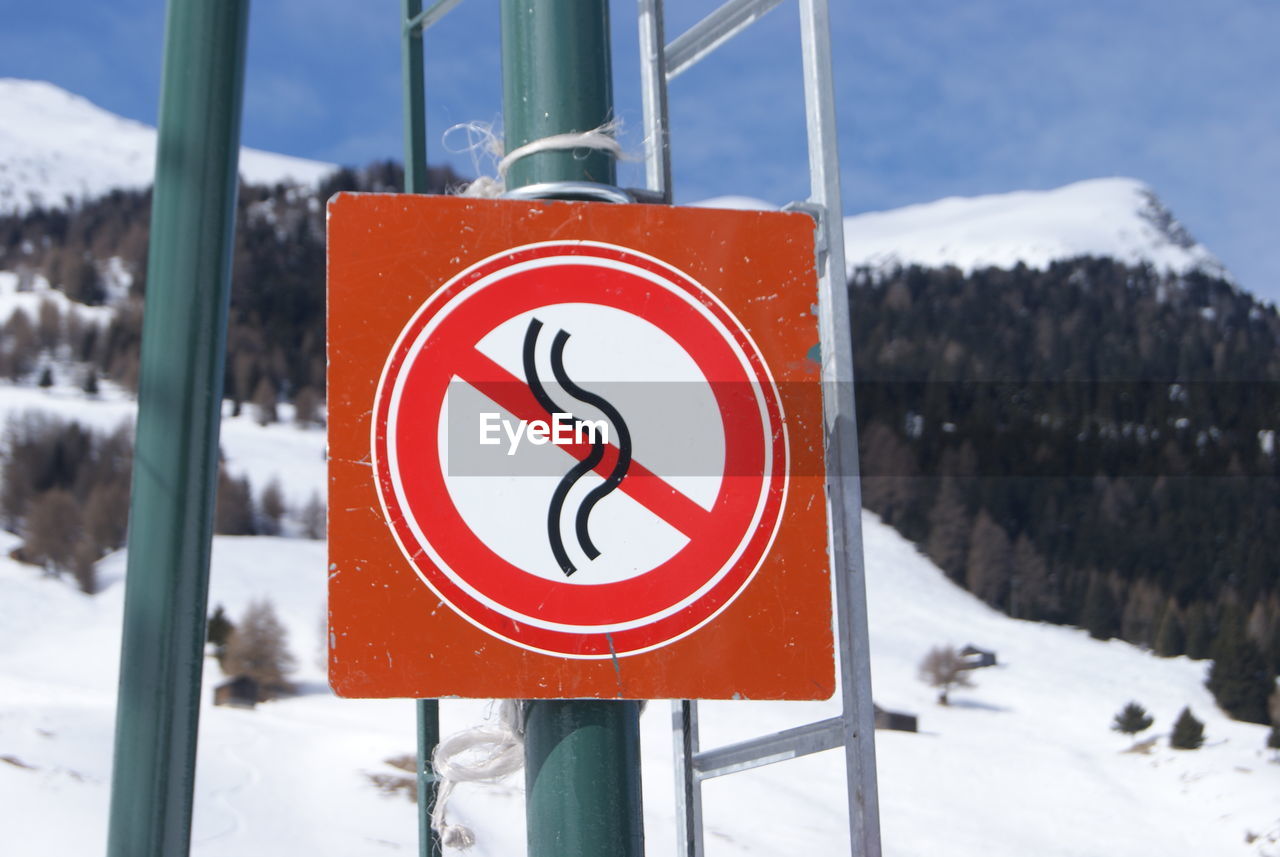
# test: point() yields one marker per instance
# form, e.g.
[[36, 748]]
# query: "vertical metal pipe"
[[179, 400], [582, 757], [557, 78], [653, 96], [684, 725], [414, 101], [428, 711], [415, 181], [843, 486]]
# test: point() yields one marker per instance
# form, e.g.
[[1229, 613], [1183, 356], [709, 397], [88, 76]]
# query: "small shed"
[[896, 721], [240, 691], [975, 658]]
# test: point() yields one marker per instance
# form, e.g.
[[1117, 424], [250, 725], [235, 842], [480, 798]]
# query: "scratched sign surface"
[[575, 450]]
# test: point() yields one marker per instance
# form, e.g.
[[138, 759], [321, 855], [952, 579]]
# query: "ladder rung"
[[778, 747], [428, 17], [712, 31]]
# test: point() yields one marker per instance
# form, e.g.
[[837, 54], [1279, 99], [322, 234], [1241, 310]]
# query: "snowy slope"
[[1117, 217], [1022, 764], [55, 145], [281, 451]]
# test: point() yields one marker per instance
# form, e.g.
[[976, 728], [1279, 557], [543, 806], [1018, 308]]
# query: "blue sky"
[[937, 97]]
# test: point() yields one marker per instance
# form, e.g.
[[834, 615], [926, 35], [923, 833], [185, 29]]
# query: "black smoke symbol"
[[556, 510]]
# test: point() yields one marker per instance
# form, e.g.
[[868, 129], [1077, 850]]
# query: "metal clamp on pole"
[[586, 191]]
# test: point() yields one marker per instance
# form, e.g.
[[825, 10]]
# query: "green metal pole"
[[582, 757], [415, 105], [415, 181], [556, 79], [179, 400]]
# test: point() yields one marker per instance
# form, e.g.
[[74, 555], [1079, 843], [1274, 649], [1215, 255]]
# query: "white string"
[[482, 142], [505, 755]]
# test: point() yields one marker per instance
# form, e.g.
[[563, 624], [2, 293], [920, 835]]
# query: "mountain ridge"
[[1117, 217], [56, 146]]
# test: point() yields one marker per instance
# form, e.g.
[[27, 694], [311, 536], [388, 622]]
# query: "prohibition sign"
[[610, 554]]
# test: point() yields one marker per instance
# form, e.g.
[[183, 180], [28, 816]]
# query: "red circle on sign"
[[726, 544]]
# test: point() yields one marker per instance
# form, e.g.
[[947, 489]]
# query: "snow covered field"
[[1023, 763]]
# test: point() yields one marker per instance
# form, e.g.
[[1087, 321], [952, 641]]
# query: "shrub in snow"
[[944, 669], [51, 530], [257, 648], [1132, 719], [1188, 732]]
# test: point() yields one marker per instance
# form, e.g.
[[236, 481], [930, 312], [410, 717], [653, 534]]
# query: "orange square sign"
[[575, 450]]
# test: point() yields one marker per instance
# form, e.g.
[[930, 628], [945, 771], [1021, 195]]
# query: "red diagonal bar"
[[641, 484]]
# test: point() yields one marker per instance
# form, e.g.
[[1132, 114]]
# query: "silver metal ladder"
[[853, 730]]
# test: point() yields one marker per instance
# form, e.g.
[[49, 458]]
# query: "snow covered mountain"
[[1120, 218], [55, 146], [1117, 217]]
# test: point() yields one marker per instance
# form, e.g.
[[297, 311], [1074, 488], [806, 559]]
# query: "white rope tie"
[[481, 141], [504, 755]]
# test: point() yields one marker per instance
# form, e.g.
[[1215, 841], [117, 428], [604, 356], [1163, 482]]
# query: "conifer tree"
[[313, 517], [1031, 595], [1239, 678], [264, 401], [1132, 719], [306, 407], [219, 631], [1170, 641], [219, 628], [1099, 611], [1188, 732], [233, 511], [988, 567], [949, 526], [271, 505], [1199, 630]]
